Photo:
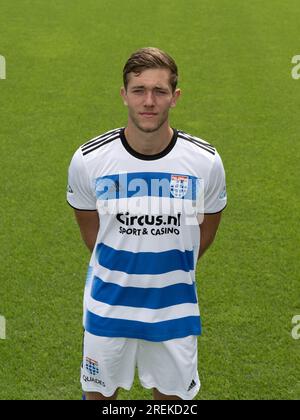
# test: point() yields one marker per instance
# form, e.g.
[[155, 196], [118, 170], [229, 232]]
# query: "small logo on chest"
[[179, 185]]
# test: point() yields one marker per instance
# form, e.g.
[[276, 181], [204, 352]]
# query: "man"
[[137, 193]]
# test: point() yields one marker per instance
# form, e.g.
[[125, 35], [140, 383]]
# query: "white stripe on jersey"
[[145, 280], [142, 314]]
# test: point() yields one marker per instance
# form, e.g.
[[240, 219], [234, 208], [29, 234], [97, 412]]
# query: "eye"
[[161, 92]]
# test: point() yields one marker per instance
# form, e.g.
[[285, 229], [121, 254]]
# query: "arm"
[[208, 230], [89, 224], [81, 197], [215, 200]]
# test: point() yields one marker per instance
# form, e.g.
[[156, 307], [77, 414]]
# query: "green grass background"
[[64, 65]]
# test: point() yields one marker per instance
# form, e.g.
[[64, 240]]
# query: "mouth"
[[148, 114]]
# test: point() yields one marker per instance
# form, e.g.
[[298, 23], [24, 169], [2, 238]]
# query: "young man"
[[138, 192]]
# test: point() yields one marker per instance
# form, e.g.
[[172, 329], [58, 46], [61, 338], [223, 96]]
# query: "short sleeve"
[[215, 196], [79, 191]]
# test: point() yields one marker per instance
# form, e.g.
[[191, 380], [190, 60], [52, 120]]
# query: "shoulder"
[[201, 154], [197, 145], [88, 153], [96, 143]]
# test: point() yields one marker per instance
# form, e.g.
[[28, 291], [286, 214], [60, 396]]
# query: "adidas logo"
[[193, 384]]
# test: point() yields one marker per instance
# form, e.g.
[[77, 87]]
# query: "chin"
[[149, 128]]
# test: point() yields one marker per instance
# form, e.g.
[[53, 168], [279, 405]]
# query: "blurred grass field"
[[64, 65]]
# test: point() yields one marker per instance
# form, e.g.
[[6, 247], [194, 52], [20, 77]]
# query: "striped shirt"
[[141, 277]]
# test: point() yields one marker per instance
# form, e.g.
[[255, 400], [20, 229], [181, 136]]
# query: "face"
[[149, 97]]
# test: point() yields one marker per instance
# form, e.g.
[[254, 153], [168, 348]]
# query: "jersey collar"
[[148, 157]]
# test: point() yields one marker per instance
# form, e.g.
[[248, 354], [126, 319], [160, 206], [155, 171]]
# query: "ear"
[[124, 95], [176, 95]]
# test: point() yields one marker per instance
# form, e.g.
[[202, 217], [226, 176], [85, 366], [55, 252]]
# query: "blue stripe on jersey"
[[157, 331], [144, 262], [141, 184], [139, 297]]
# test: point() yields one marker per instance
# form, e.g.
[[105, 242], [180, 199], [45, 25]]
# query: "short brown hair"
[[150, 58]]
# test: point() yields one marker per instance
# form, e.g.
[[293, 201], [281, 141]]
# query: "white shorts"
[[169, 366]]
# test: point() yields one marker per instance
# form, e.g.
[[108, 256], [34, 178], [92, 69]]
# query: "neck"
[[148, 143]]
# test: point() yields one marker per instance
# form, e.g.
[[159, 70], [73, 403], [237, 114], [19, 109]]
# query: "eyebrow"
[[143, 87]]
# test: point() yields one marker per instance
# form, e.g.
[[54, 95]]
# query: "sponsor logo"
[[160, 224], [128, 220], [95, 380], [92, 367]]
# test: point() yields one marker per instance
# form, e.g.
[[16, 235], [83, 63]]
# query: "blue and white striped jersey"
[[141, 276]]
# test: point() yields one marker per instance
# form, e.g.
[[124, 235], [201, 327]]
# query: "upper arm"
[[215, 200], [210, 224], [81, 197], [89, 224], [208, 229], [87, 220]]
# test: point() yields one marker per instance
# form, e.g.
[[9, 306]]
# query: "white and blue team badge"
[[91, 366], [179, 185]]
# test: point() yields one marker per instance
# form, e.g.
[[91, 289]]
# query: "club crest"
[[91, 366], [179, 185]]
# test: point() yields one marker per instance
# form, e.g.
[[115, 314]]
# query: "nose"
[[149, 99]]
